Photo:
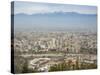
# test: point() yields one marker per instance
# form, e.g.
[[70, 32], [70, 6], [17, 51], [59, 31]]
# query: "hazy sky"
[[50, 22], [34, 8]]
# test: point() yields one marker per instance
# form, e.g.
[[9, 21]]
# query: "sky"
[[41, 8], [55, 21]]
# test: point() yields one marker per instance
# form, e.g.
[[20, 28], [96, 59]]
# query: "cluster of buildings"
[[55, 41], [44, 45]]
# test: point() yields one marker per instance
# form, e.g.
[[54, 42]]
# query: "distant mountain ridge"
[[57, 13], [59, 21]]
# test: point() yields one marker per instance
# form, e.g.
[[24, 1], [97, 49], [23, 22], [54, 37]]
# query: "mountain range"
[[57, 21]]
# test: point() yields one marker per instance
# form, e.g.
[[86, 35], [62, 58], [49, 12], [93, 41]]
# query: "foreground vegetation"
[[21, 66], [69, 66]]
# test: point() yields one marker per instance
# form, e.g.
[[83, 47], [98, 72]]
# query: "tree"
[[77, 65], [25, 67]]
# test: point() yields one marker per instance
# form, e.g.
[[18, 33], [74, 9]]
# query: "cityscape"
[[48, 39], [43, 50]]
